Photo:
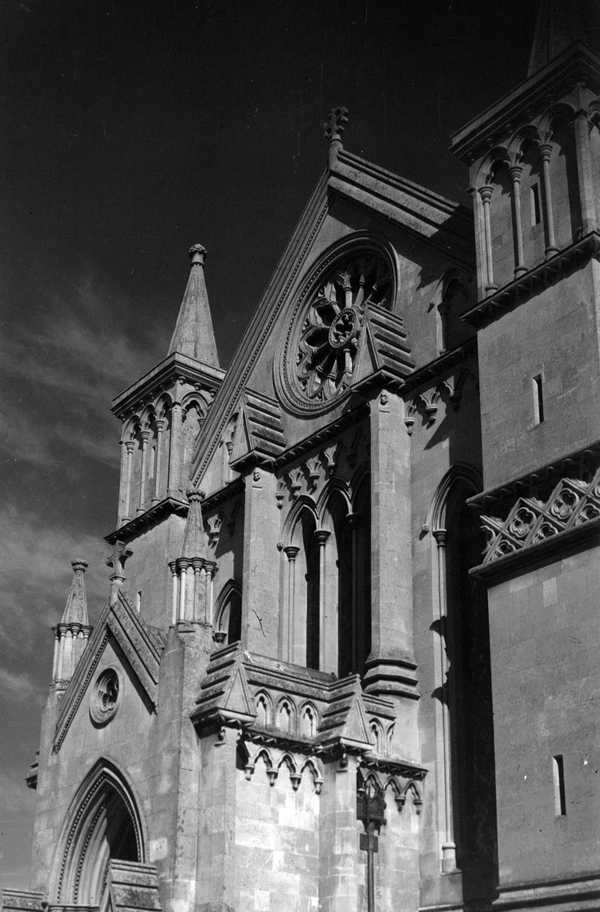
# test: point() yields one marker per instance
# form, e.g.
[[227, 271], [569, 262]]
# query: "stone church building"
[[349, 657]]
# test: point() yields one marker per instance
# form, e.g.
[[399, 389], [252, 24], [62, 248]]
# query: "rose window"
[[330, 333]]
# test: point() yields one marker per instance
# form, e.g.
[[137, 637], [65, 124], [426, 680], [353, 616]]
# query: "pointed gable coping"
[[160, 376], [121, 623], [432, 217], [224, 691], [286, 273], [345, 719], [262, 428], [384, 351]]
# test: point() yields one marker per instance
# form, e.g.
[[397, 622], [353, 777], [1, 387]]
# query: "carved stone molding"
[[445, 391], [573, 503]]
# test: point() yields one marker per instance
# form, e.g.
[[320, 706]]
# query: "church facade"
[[349, 656]]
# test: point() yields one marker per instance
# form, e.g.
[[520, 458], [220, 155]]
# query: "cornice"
[[578, 63], [533, 281], [175, 366], [432, 218], [439, 367], [157, 512], [327, 432], [546, 475]]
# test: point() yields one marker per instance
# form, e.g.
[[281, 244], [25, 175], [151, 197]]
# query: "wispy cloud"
[[19, 687], [79, 346], [36, 576]]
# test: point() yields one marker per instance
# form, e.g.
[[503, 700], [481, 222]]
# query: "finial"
[[119, 555], [197, 254], [334, 130], [79, 565]]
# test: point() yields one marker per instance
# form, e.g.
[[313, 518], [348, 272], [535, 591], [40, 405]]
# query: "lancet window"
[[229, 612], [326, 618]]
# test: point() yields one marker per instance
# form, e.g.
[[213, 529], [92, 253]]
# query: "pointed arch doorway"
[[103, 824]]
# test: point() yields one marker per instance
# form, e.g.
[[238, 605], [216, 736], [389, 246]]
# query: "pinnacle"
[[194, 334], [195, 542], [76, 605]]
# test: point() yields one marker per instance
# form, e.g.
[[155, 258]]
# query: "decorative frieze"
[[276, 760], [573, 503]]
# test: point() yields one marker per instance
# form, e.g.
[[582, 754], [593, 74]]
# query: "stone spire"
[[194, 335], [72, 634], [194, 571], [560, 23]]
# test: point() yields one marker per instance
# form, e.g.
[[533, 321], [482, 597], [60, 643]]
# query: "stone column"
[[443, 718], [160, 429], [390, 667], [260, 609], [123, 483], [182, 568], [327, 648], [480, 247], [515, 173], [486, 197], [175, 447], [174, 591], [546, 154], [289, 615], [353, 520], [585, 177], [145, 435]]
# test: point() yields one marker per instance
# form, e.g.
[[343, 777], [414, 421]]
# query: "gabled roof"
[[431, 218], [140, 645]]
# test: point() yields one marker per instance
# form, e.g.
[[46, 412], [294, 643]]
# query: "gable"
[[139, 646], [381, 205]]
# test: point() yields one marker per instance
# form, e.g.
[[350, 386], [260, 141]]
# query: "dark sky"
[[132, 130]]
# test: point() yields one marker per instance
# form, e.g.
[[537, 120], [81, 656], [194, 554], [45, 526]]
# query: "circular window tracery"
[[320, 354], [104, 700]]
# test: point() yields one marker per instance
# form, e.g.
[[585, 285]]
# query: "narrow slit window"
[[536, 209], [558, 772], [538, 399]]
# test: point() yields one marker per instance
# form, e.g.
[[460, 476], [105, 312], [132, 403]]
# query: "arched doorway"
[[102, 824]]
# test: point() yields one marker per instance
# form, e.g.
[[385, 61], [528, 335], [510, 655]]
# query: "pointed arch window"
[[229, 612], [327, 616]]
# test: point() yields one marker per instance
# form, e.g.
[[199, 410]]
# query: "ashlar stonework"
[[316, 683]]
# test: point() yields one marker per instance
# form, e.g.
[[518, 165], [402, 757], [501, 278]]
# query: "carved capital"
[[291, 552], [486, 194]]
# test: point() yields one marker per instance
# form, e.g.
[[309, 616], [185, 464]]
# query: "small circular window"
[[104, 700]]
